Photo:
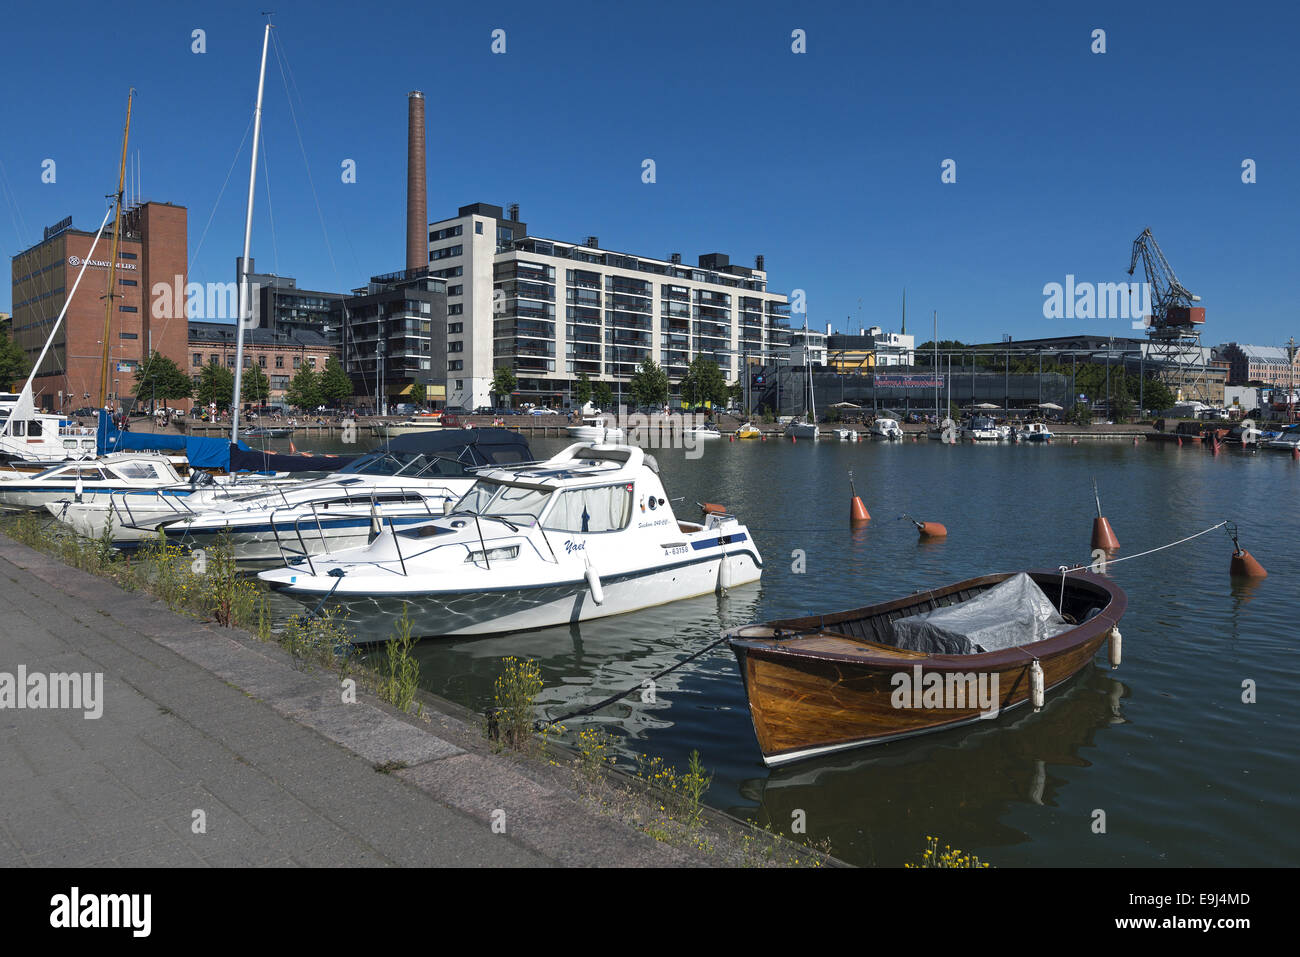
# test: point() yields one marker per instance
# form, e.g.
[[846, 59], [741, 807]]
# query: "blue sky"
[[827, 162]]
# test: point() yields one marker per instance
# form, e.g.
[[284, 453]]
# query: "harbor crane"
[[1174, 326]]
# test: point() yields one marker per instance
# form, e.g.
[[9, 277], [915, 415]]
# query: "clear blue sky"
[[827, 162]]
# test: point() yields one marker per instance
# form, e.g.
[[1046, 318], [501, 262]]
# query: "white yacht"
[[982, 429], [89, 480], [1033, 432], [847, 435], [886, 428], [596, 429], [39, 436], [587, 534]]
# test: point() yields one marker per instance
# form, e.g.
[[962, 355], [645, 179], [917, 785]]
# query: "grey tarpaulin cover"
[[1012, 613]]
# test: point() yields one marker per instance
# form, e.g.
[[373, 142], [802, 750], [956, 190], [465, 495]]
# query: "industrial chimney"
[[758, 263], [417, 201]]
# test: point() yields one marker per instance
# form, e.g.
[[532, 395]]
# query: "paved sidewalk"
[[202, 719]]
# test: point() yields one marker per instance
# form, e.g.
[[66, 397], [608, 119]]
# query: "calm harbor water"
[[1186, 773]]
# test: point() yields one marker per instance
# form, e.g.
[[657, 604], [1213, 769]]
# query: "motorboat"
[[847, 435], [1033, 432], [412, 480], [1288, 441], [39, 437], [586, 534], [596, 429], [702, 433], [748, 431], [425, 422], [886, 428], [981, 428], [87, 480], [928, 661]]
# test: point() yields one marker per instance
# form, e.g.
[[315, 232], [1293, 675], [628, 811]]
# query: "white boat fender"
[[79, 488], [376, 524], [1115, 642], [1036, 684], [593, 583], [724, 572]]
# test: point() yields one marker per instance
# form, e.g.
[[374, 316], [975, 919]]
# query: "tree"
[[159, 377], [335, 386], [582, 390], [304, 389], [649, 383], [703, 382], [419, 393], [254, 386], [602, 396], [1156, 395], [504, 382], [216, 384], [13, 361]]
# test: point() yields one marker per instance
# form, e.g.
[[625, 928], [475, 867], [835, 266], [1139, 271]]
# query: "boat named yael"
[[932, 660]]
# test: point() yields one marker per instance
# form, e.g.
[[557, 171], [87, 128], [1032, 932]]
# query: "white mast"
[[245, 307]]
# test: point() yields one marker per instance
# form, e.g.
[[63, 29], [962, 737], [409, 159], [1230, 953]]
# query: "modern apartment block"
[[551, 310], [282, 307]]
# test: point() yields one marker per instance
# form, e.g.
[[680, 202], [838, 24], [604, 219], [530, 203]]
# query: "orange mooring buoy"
[[857, 511], [1295, 453], [927, 529], [1244, 565], [1102, 535], [1135, 440], [1180, 441]]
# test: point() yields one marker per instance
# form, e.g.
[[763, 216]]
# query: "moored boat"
[[926, 662], [748, 431]]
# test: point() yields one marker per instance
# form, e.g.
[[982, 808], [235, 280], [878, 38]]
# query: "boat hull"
[[449, 613], [827, 692]]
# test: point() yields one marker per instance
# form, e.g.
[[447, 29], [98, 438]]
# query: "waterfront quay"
[[212, 749]]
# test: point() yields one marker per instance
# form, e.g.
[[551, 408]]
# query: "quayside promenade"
[[214, 749]]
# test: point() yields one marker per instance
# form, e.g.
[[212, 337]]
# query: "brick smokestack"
[[417, 203]]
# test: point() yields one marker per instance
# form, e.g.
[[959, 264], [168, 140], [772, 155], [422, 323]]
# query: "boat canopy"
[[1014, 612]]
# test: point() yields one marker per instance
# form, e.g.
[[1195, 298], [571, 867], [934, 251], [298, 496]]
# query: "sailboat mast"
[[112, 259], [245, 306]]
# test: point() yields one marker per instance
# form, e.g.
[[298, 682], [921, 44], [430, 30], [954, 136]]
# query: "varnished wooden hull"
[[818, 685]]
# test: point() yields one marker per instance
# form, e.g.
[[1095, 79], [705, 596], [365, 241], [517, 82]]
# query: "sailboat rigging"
[[111, 292]]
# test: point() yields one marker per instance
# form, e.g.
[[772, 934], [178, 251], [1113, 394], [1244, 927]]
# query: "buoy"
[[931, 530], [593, 584], [1180, 441], [857, 511], [731, 437], [1102, 535], [1295, 453], [1114, 648], [1245, 566], [1135, 440], [1036, 684]]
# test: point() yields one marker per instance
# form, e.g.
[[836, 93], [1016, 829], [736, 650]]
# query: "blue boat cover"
[[202, 453]]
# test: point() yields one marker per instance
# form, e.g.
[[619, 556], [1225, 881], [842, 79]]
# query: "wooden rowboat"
[[828, 683]]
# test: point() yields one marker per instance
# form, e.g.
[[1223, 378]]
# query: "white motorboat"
[[407, 483], [34, 437], [412, 426], [88, 480], [1033, 432], [596, 429], [1288, 441], [847, 435], [802, 430], [981, 429], [702, 433], [886, 428], [587, 534]]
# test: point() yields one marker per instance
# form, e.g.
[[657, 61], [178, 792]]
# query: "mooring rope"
[[540, 725]]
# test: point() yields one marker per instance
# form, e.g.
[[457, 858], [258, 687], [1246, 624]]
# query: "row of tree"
[[161, 379]]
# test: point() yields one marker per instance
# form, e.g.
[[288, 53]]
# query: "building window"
[[214, 357], [129, 282], [311, 361], [279, 362], [455, 327], [127, 309], [456, 290], [261, 361], [457, 346], [478, 228], [460, 384], [230, 362], [128, 335], [198, 358], [456, 365], [248, 361], [127, 255], [297, 362]]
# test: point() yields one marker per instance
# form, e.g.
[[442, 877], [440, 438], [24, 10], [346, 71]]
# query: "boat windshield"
[[516, 504], [411, 464]]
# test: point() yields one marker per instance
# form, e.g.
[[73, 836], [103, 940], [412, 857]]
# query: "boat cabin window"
[[138, 470], [86, 475], [604, 509], [19, 428], [514, 503], [34, 427]]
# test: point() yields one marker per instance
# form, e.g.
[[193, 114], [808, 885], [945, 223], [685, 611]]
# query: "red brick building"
[[152, 251]]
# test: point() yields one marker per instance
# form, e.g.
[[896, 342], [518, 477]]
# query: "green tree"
[[335, 386], [703, 382], [419, 393], [582, 390], [159, 377], [216, 384], [602, 396], [13, 361], [1156, 395], [304, 389], [649, 383], [504, 382], [254, 386]]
